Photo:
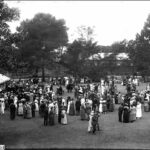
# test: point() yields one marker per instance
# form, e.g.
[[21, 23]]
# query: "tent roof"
[[3, 78]]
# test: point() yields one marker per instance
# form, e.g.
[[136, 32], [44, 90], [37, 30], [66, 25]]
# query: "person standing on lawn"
[[120, 112], [33, 109], [77, 106], [90, 126], [138, 110], [12, 111], [59, 109], [2, 106], [51, 117], [46, 116], [64, 115], [126, 113]]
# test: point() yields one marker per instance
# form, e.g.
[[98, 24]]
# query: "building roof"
[[120, 56]]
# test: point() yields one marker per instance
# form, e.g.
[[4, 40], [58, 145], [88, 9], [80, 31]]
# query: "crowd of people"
[[30, 99], [131, 106]]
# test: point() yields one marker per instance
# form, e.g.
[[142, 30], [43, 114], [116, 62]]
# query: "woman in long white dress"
[[20, 108], [101, 105], [2, 106], [64, 120], [15, 101], [36, 105], [90, 122], [138, 110]]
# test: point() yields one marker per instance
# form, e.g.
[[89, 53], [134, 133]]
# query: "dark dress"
[[78, 104], [59, 114], [51, 118], [29, 112], [46, 116], [41, 110], [126, 114], [72, 109], [24, 111], [104, 107], [120, 112], [82, 113], [111, 105], [132, 114], [146, 106], [12, 111], [33, 109]]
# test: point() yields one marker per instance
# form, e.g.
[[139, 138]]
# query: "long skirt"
[[51, 119], [20, 110], [111, 107], [12, 115], [2, 110], [82, 114], [24, 112], [146, 107], [72, 109], [90, 124], [104, 107], [125, 116], [36, 107], [132, 116], [88, 111], [120, 112], [100, 107], [64, 119], [138, 112], [29, 113]]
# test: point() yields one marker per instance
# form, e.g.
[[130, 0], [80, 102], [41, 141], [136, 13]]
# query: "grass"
[[31, 133]]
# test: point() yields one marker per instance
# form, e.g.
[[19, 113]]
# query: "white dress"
[[15, 101], [90, 123], [64, 120], [138, 111], [101, 107], [102, 89], [36, 106], [2, 108], [20, 109], [56, 108], [68, 109]]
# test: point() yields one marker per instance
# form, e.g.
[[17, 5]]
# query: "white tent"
[[3, 78]]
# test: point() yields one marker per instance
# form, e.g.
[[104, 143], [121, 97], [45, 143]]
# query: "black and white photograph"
[[74, 74]]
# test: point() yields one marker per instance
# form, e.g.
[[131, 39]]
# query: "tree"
[[139, 50], [6, 38], [78, 52], [72, 58], [40, 37], [85, 33]]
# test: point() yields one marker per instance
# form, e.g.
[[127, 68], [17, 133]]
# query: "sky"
[[112, 20]]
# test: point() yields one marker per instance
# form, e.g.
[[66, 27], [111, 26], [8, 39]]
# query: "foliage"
[[139, 50], [7, 48], [40, 37]]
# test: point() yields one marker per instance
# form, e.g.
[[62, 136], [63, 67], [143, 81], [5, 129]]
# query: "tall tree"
[[6, 38], [40, 37], [139, 50], [85, 33]]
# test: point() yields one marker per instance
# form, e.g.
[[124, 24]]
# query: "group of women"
[[28, 99]]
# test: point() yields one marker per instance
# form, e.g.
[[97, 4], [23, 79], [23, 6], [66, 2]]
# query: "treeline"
[[41, 43]]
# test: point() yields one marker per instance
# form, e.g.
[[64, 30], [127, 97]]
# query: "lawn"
[[31, 133]]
